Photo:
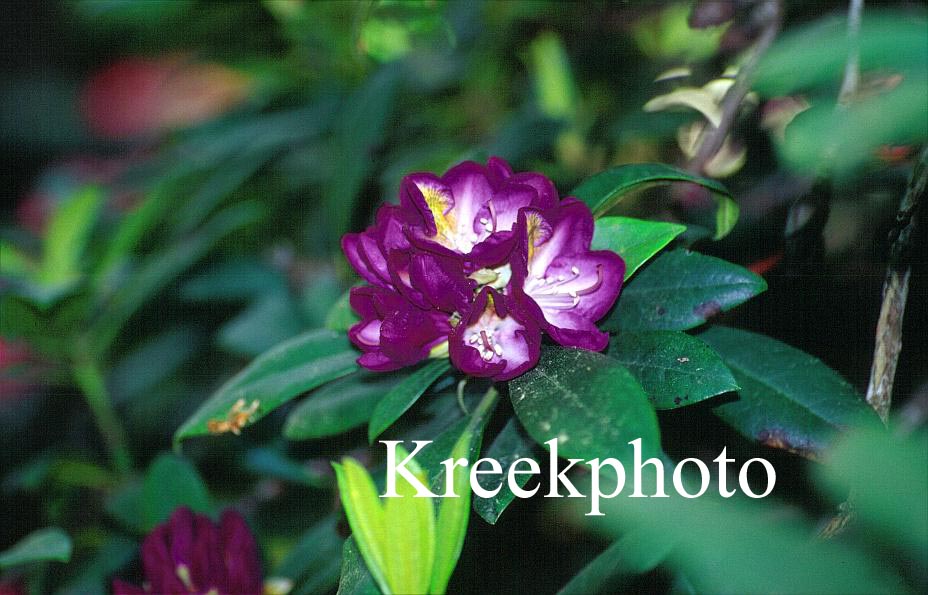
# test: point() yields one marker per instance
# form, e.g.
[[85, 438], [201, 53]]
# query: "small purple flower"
[[192, 554], [562, 284], [492, 341]]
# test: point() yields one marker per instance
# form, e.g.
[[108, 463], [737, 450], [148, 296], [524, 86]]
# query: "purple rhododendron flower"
[[192, 554], [475, 264]]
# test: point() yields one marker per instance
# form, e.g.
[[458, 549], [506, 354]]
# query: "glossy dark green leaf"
[[588, 401], [67, 236], [96, 574], [402, 396], [637, 552], [888, 477], [606, 189], [673, 368], [340, 405], [45, 544], [680, 290], [313, 562], [788, 398], [233, 280], [635, 240], [511, 444], [286, 371], [169, 483]]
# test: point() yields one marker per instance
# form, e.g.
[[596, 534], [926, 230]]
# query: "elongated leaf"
[[588, 401], [339, 406], [740, 546], [510, 444], [673, 368], [162, 267], [67, 235], [635, 240], [402, 396], [813, 55], [290, 369], [454, 513], [636, 552], [171, 482], [680, 290], [45, 544], [606, 189], [366, 516], [313, 562], [355, 578], [788, 398], [410, 551], [889, 479]]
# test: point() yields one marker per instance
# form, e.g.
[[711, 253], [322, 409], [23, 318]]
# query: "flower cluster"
[[192, 554], [477, 264]]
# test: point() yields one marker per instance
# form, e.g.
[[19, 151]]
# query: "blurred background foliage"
[[179, 173]]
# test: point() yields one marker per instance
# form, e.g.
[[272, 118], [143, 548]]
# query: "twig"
[[895, 292], [852, 67], [712, 137], [90, 380]]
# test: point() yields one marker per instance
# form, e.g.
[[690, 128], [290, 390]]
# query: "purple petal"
[[408, 334], [492, 342], [498, 170], [242, 565], [567, 229], [121, 588], [547, 193], [442, 281]]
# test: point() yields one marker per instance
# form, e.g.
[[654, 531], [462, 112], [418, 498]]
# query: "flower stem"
[[90, 380]]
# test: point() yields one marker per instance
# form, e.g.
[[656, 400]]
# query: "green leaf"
[[45, 544], [96, 574], [162, 267], [67, 236], [313, 562], [273, 462], [509, 445], [340, 316], [589, 402], [360, 126], [889, 480], [740, 546], [635, 553], [680, 290], [606, 189], [339, 406], [788, 398], [290, 369], [454, 513], [269, 320], [635, 240], [402, 396], [411, 529], [396, 538], [673, 368], [814, 55], [366, 516], [171, 482], [355, 578]]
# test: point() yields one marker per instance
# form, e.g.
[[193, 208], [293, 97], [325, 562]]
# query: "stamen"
[[575, 270], [492, 214], [486, 340], [595, 286], [498, 350]]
